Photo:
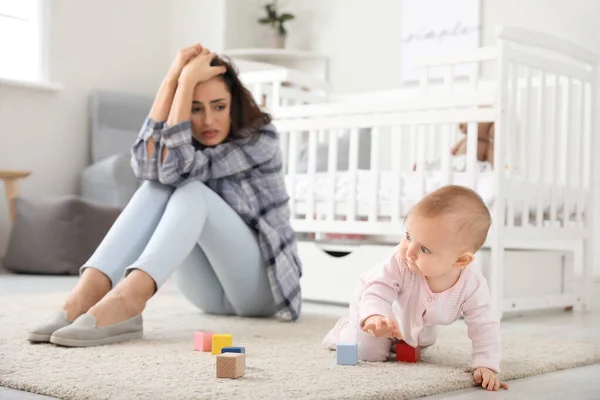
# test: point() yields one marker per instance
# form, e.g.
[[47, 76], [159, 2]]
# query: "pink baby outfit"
[[420, 311]]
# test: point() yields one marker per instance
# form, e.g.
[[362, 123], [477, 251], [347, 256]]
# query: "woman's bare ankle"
[[90, 289]]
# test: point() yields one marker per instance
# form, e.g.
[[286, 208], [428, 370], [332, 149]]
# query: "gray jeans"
[[193, 233]]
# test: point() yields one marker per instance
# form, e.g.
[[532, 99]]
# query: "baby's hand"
[[380, 326], [488, 379]]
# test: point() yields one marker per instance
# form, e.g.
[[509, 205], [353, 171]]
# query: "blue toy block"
[[241, 350], [347, 354]]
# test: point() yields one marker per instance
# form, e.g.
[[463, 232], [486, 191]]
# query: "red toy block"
[[407, 353]]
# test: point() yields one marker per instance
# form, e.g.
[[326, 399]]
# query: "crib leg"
[[496, 279], [582, 263]]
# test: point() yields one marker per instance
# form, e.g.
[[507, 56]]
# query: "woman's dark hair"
[[246, 116]]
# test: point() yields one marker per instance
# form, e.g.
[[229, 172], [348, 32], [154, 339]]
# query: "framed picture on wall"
[[432, 27]]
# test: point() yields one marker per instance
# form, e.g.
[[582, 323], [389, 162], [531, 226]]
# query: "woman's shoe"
[[83, 332], [43, 332]]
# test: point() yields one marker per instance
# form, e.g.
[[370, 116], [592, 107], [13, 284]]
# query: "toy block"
[[407, 353], [219, 341], [347, 354], [231, 365], [241, 350], [203, 341]]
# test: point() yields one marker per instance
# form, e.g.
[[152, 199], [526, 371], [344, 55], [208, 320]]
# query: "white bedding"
[[411, 190]]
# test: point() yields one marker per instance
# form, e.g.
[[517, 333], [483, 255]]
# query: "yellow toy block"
[[219, 341]]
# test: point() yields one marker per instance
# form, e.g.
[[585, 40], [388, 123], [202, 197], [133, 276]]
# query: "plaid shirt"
[[247, 174]]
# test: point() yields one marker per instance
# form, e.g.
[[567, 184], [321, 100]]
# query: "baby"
[[426, 283]]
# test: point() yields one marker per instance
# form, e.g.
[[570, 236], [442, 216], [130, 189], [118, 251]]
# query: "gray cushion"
[[56, 235]]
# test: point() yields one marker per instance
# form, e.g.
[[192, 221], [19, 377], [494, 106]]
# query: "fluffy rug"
[[283, 360]]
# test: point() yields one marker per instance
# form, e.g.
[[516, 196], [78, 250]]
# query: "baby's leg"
[[348, 330], [428, 336]]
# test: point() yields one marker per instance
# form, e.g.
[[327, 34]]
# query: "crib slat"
[[526, 143], [414, 144], [581, 156], [275, 96], [445, 132], [292, 162], [257, 93], [375, 176], [472, 154], [555, 135], [586, 116], [284, 138], [353, 173], [331, 173], [511, 144], [430, 144], [312, 168], [396, 177], [566, 189], [542, 148]]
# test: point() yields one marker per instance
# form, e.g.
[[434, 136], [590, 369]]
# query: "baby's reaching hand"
[[488, 379], [380, 326]]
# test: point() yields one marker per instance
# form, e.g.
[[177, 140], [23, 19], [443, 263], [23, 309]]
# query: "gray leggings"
[[191, 232]]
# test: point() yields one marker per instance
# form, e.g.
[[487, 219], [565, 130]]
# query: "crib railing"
[[369, 167]]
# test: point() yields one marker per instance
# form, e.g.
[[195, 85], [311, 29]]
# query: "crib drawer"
[[532, 273], [330, 274]]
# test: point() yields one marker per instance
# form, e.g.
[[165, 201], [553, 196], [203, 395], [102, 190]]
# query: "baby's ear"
[[464, 260]]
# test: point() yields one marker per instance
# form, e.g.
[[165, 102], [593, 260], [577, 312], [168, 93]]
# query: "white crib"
[[540, 96]]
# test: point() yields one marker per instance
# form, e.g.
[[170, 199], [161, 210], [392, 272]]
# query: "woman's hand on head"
[[183, 57], [199, 70]]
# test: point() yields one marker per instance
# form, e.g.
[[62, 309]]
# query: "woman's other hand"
[[183, 57], [199, 69]]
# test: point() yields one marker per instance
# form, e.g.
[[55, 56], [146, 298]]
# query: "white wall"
[[197, 21], [110, 44], [362, 38]]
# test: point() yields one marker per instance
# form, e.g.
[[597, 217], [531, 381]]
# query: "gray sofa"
[[115, 121]]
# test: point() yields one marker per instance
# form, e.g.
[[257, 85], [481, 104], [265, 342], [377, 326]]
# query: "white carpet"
[[284, 360]]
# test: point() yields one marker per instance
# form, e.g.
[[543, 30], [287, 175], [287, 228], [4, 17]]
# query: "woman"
[[213, 209]]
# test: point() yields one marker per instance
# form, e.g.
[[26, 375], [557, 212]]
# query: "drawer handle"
[[337, 254]]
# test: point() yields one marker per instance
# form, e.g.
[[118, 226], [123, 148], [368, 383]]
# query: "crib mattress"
[[412, 186]]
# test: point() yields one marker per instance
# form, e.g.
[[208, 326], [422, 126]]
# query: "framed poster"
[[432, 27]]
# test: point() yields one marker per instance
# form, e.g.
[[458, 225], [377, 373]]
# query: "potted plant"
[[275, 21]]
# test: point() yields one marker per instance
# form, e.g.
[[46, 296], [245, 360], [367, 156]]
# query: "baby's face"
[[430, 246]]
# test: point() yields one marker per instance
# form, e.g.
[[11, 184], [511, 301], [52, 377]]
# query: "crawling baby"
[[428, 282]]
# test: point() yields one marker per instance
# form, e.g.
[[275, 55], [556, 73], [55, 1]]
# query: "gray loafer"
[[83, 332], [43, 332]]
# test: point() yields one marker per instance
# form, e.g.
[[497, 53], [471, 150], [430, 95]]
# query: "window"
[[21, 44]]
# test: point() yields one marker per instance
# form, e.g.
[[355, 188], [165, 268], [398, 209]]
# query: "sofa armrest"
[[110, 181]]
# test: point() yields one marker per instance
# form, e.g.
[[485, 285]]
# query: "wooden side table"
[[11, 187]]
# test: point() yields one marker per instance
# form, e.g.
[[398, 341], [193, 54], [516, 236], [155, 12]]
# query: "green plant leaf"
[[286, 17], [265, 21], [271, 13]]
